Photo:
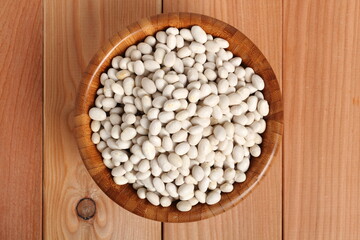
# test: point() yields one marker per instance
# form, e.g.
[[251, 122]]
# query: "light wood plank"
[[259, 216], [20, 119], [74, 30], [322, 119]]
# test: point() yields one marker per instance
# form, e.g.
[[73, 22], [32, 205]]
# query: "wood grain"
[[260, 215], [74, 30], [322, 112], [125, 195], [20, 119]]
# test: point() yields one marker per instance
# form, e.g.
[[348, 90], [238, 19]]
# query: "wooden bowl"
[[241, 46]]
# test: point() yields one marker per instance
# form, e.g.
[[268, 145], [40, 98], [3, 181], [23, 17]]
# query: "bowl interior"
[[241, 46]]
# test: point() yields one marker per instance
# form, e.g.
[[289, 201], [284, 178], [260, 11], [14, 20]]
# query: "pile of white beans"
[[178, 117]]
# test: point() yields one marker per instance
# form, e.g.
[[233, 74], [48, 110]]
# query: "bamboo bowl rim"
[[125, 195]]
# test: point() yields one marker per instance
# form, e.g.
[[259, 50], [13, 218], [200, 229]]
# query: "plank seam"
[[283, 137], [43, 118]]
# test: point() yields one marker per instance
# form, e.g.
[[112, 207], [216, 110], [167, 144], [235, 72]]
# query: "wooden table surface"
[[312, 191]]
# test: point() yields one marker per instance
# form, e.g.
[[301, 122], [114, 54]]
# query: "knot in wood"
[[86, 208]]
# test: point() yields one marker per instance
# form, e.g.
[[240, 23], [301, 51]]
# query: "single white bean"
[[213, 197], [165, 201], [194, 95], [159, 55], [150, 40], [166, 117], [192, 75], [128, 134], [148, 150], [229, 174], [227, 187], [194, 130], [141, 192], [180, 93], [186, 189], [164, 163], [198, 34], [158, 184], [194, 139], [172, 190], [248, 73], [120, 180], [155, 127], [172, 105], [186, 34], [161, 36], [222, 42], [151, 65], [179, 41], [212, 46], [173, 126], [143, 175], [184, 52], [240, 177], [139, 67], [175, 160], [184, 206], [220, 133], [182, 148], [197, 48], [263, 107], [198, 173], [212, 100], [210, 74], [148, 85], [169, 59], [153, 198], [252, 102], [171, 41], [182, 115], [97, 114], [255, 151]]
